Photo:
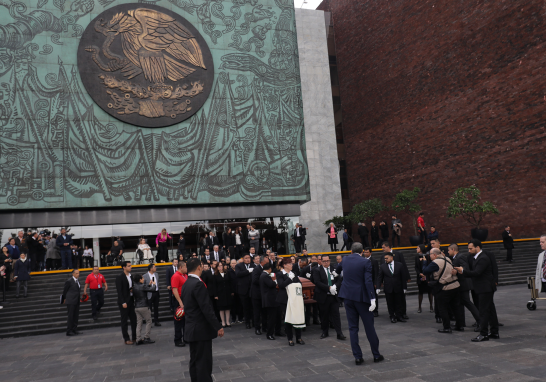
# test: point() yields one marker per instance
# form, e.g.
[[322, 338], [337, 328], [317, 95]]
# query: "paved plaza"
[[414, 351]]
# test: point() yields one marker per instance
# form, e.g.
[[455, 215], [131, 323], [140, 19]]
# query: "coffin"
[[308, 291]]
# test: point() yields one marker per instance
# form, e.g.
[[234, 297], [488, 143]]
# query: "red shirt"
[[420, 222], [177, 281], [95, 281]]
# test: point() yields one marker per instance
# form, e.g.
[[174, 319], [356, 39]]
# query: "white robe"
[[295, 312]]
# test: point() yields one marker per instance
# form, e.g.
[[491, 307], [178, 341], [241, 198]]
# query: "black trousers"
[[201, 361], [329, 310], [311, 309], [274, 320], [346, 245], [73, 316], [259, 314], [179, 330], [153, 304], [288, 327], [162, 252], [394, 237], [214, 304], [97, 300], [395, 304], [449, 301], [475, 299], [173, 304], [128, 314], [247, 308], [236, 309], [464, 297], [298, 243], [87, 262], [376, 302], [333, 247], [488, 314], [509, 254]]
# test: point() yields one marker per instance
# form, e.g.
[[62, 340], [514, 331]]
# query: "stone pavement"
[[414, 351]]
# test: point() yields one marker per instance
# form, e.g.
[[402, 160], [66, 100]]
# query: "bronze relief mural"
[[116, 103], [154, 67]]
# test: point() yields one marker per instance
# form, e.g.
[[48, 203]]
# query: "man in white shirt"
[[153, 296], [217, 254]]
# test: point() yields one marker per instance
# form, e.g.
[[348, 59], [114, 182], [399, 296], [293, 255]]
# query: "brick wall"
[[444, 94]]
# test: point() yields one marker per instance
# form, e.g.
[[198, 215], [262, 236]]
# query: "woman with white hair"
[[145, 248], [332, 237]]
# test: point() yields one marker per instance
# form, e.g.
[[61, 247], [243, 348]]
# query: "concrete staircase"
[[41, 313]]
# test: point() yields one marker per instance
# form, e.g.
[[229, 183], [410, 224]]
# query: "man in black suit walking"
[[393, 275], [259, 313], [243, 272], [202, 326], [168, 275], [375, 272], [126, 303], [268, 289], [483, 273], [71, 298], [397, 257], [326, 289]]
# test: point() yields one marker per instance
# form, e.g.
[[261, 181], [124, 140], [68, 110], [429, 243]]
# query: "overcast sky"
[[307, 4]]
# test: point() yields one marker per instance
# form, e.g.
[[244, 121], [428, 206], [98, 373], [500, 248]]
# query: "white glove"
[[275, 281], [250, 270], [405, 291], [372, 305], [291, 275], [377, 291], [334, 273], [333, 290], [308, 275]]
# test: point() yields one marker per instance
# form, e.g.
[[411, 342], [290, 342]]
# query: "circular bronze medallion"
[[145, 65]]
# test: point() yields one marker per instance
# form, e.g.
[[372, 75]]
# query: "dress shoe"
[[271, 338], [419, 310], [438, 320], [157, 324], [405, 317], [179, 344], [76, 332], [401, 319], [258, 332], [475, 325], [290, 343], [148, 341], [300, 341], [477, 329], [447, 331], [480, 338], [359, 361], [316, 322], [129, 342], [494, 336], [70, 334], [248, 327], [341, 337], [501, 324], [393, 320], [324, 335], [461, 329], [375, 314], [280, 334], [379, 359], [138, 343]]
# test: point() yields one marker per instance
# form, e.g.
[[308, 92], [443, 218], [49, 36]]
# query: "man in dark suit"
[[243, 272], [363, 233], [71, 298], [326, 291], [398, 257], [217, 254], [484, 278], [358, 294], [393, 276], [36, 252], [212, 240], [306, 271], [126, 303], [459, 260], [168, 275], [268, 289], [299, 237], [259, 312], [375, 272], [64, 242], [208, 278], [508, 242], [202, 326]]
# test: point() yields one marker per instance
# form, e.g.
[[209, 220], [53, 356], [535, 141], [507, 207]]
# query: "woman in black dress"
[[285, 278], [229, 243], [224, 293], [422, 283], [181, 246], [374, 231]]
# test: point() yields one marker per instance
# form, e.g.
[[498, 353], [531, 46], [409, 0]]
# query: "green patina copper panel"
[[60, 149]]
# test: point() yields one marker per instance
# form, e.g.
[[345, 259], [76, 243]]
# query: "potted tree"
[[465, 203], [367, 209], [405, 202]]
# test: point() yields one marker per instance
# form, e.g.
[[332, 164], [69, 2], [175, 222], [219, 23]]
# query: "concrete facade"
[[320, 136]]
